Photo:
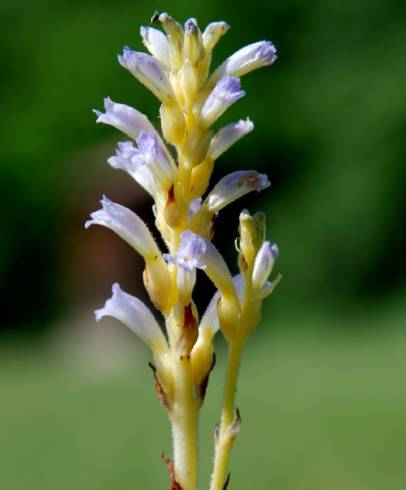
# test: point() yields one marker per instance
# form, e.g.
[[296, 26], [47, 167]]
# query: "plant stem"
[[225, 439], [184, 425]]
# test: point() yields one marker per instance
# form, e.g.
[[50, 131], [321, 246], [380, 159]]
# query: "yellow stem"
[[225, 439], [184, 425]]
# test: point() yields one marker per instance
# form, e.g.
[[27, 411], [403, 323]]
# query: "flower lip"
[[135, 315], [190, 251], [123, 117]]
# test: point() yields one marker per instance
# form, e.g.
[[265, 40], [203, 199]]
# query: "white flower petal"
[[148, 71], [263, 264], [157, 44], [195, 252], [125, 118], [132, 312], [233, 186], [127, 225], [227, 136]]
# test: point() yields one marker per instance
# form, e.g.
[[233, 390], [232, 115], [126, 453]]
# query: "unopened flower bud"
[[193, 49], [213, 33], [263, 265], [227, 136], [173, 122]]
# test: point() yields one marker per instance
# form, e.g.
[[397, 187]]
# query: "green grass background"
[[321, 410]]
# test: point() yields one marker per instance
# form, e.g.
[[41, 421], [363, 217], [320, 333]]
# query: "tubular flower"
[[193, 97], [136, 316]]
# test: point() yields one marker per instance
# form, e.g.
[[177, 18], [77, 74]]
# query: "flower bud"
[[172, 122], [227, 136], [193, 49], [213, 33], [263, 264]]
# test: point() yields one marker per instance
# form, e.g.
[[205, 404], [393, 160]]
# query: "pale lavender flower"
[[191, 250], [127, 225], [249, 58], [233, 186], [225, 93], [136, 316], [227, 136], [148, 71], [148, 164], [195, 252], [123, 117], [264, 262], [157, 44]]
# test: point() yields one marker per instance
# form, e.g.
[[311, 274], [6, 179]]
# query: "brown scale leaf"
[[227, 482], [158, 388], [205, 382], [171, 470]]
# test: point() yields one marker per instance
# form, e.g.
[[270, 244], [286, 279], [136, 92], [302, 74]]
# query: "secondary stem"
[[225, 439]]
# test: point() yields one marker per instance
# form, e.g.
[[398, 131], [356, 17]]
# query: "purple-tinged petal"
[[233, 186], [225, 93], [227, 136], [148, 71], [246, 59]]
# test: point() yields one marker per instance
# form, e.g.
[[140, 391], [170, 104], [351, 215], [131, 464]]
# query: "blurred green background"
[[322, 391]]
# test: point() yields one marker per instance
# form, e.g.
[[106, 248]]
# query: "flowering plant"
[[178, 72]]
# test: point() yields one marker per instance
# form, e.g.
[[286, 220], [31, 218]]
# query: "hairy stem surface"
[[225, 437]]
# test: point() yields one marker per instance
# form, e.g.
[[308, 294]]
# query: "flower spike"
[[175, 166]]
